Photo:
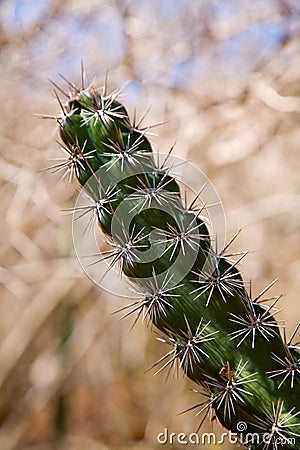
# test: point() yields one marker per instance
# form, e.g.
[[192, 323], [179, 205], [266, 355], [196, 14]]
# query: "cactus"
[[218, 333]]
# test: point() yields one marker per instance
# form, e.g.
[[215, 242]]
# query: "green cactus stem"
[[226, 340]]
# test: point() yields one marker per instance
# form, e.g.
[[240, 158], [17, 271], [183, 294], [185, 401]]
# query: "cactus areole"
[[224, 338]]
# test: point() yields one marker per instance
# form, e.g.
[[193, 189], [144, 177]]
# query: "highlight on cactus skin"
[[217, 332]]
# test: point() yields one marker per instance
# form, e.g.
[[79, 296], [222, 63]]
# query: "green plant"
[[225, 339]]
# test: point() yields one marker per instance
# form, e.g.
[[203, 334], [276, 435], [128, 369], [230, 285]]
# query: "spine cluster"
[[224, 338]]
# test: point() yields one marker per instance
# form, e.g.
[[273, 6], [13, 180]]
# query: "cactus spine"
[[225, 339]]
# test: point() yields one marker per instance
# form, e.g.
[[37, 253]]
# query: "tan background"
[[227, 81]]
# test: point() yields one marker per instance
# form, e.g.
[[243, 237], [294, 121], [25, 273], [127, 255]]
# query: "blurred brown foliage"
[[227, 81]]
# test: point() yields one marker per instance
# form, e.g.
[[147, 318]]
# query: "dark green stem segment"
[[225, 340]]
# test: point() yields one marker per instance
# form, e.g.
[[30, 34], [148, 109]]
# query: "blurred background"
[[225, 75]]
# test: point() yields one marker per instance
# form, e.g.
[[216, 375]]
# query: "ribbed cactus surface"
[[224, 338]]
